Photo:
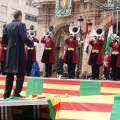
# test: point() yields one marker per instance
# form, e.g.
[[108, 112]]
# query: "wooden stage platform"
[[54, 86]]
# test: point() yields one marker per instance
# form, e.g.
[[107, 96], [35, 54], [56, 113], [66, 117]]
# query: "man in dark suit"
[[15, 37]]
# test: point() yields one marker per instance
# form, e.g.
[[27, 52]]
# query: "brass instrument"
[[31, 32], [98, 32], [74, 29], [115, 38], [49, 32]]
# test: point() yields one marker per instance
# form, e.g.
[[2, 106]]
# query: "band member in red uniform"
[[115, 60], [106, 65], [70, 57], [3, 49], [95, 59], [31, 51], [48, 55], [31, 56]]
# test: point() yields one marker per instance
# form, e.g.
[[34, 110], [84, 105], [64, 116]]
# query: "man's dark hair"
[[16, 14]]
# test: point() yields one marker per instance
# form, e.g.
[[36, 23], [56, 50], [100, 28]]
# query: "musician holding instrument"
[[115, 57], [31, 51], [95, 58], [70, 57], [48, 57], [106, 65]]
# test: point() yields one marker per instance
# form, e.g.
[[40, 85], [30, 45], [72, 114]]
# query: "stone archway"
[[60, 32]]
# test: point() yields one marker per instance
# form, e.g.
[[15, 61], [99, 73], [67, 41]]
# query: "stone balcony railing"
[[42, 2]]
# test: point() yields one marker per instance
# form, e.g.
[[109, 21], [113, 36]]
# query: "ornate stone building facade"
[[87, 10]]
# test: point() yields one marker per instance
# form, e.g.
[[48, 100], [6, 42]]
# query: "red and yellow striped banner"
[[2, 86], [86, 108], [110, 88], [60, 87]]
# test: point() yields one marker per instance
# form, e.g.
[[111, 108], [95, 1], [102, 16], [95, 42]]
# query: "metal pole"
[[117, 23], [78, 64], [86, 65], [78, 68]]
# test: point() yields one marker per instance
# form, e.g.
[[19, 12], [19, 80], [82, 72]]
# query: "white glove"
[[82, 41], [35, 44]]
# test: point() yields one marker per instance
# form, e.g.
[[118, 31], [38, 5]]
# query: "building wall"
[[7, 7]]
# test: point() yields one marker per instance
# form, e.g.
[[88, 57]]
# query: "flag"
[[86, 39], [113, 3], [109, 38], [63, 8]]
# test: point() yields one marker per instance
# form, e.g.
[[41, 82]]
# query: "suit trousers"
[[95, 66], [9, 84], [106, 73], [113, 66], [48, 65], [71, 66], [29, 62]]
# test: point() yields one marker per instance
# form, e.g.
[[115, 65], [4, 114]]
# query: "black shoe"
[[69, 77], [20, 96], [97, 78], [46, 76], [72, 77], [92, 78]]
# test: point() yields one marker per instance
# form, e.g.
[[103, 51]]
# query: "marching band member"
[[31, 56], [3, 49], [115, 58], [95, 58], [70, 57], [48, 55], [31, 51], [106, 65]]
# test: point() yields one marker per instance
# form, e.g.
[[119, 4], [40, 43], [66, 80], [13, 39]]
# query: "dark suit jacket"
[[15, 37]]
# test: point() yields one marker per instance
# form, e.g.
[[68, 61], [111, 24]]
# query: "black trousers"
[[115, 70], [29, 62], [106, 73], [48, 65], [3, 63], [9, 84], [95, 67], [71, 66]]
